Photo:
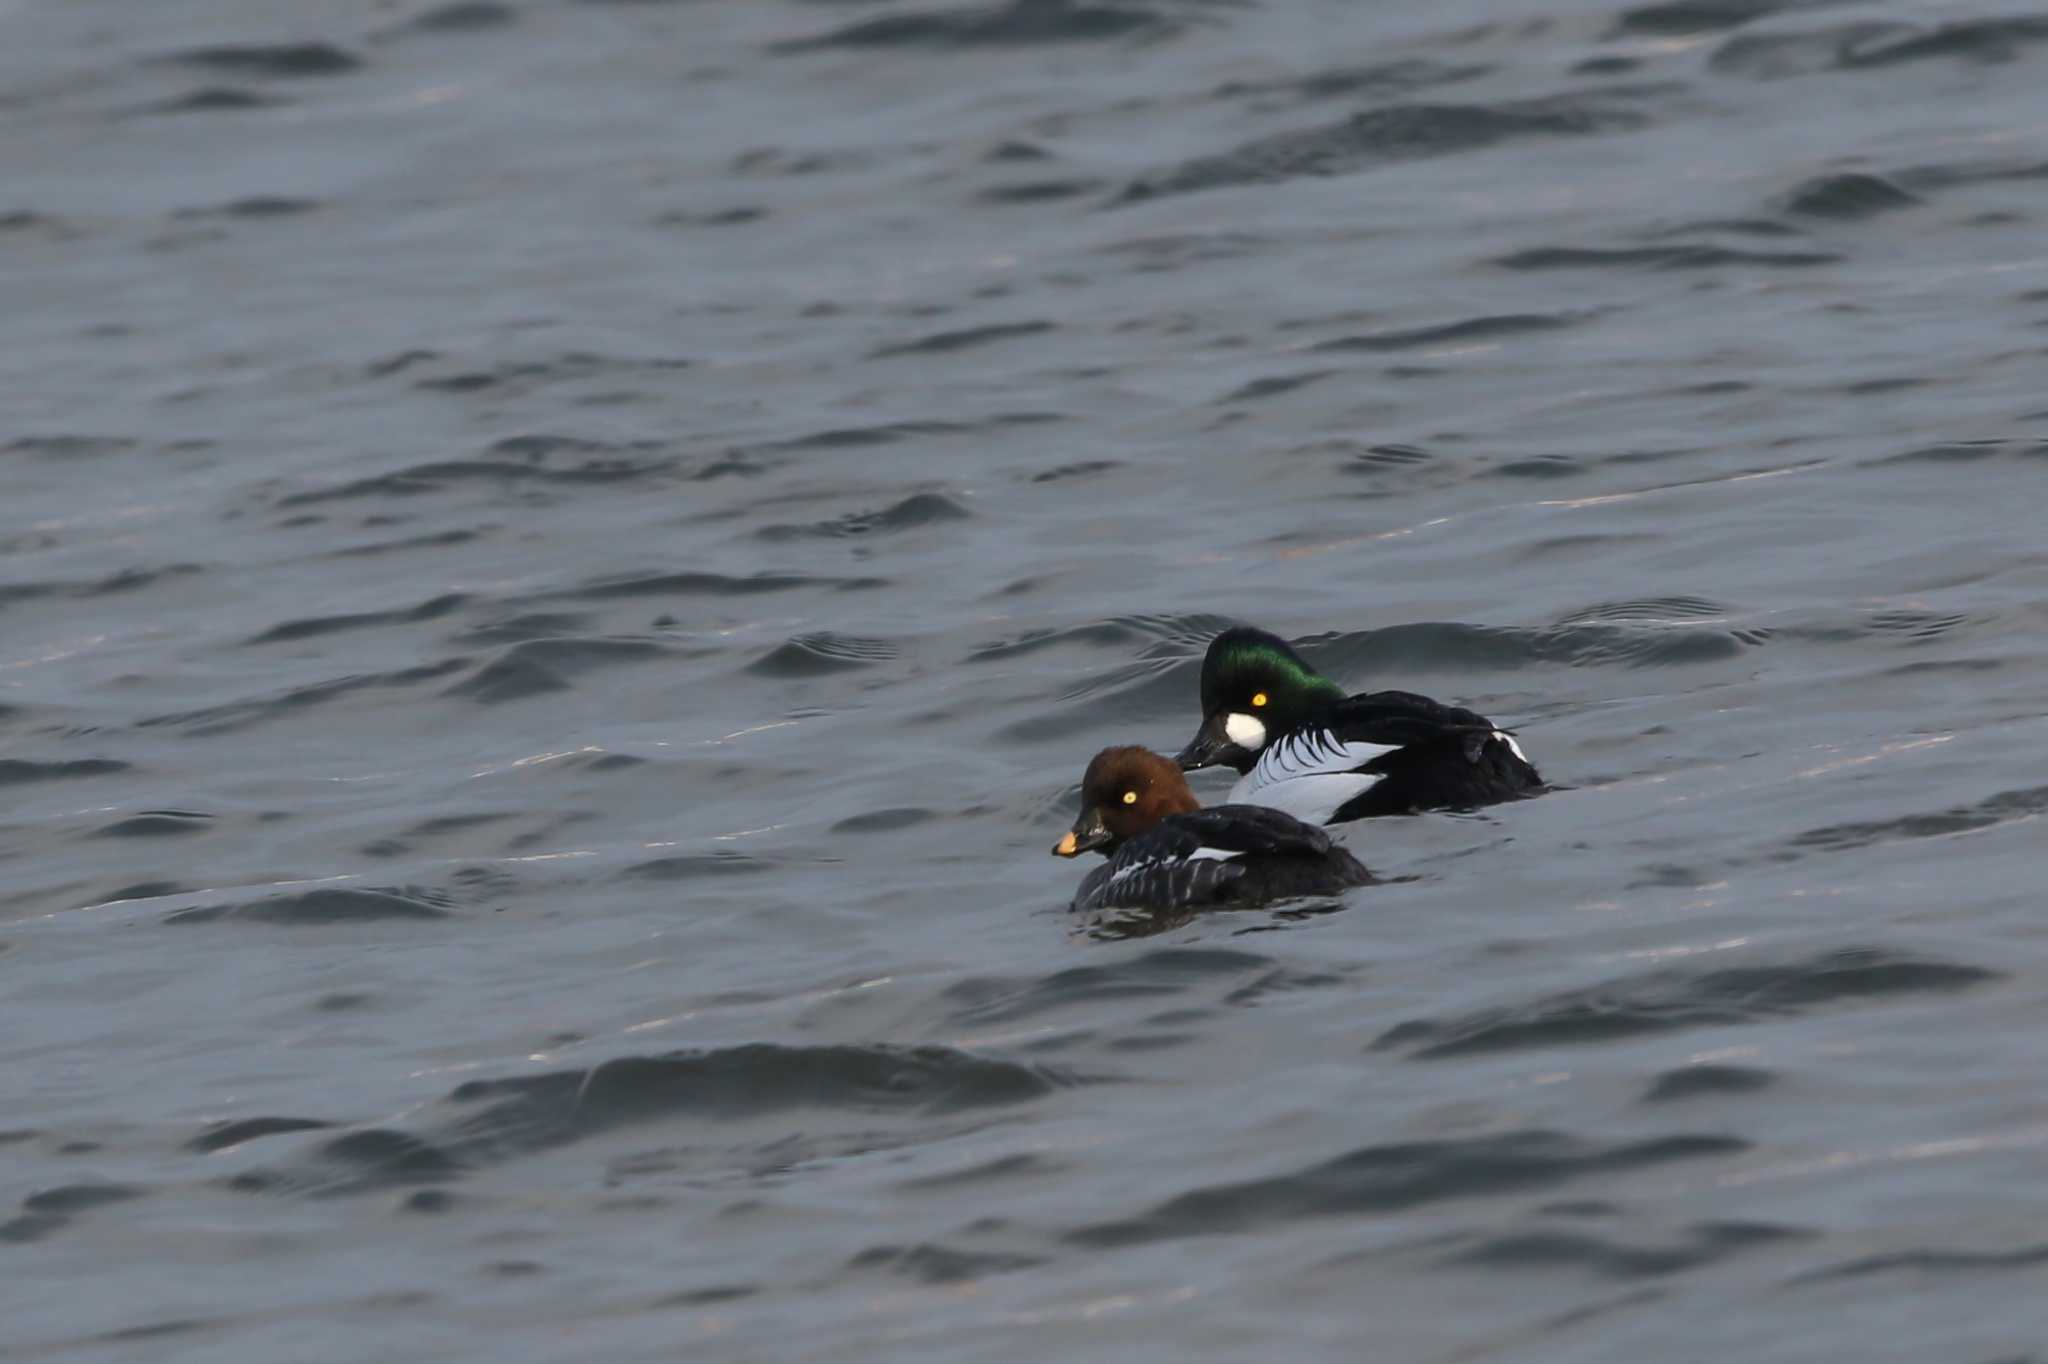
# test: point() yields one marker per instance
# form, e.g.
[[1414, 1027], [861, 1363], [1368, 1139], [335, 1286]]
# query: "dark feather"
[[1231, 828], [1400, 718], [1275, 856]]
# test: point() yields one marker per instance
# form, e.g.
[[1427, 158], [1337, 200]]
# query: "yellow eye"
[[1130, 797], [1259, 700]]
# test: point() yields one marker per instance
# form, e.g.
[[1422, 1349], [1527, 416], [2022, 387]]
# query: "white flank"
[[1246, 731], [1312, 800], [1309, 775]]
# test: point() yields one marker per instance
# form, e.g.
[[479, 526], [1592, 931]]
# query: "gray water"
[[562, 562]]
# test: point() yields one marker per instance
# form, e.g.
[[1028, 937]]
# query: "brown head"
[[1125, 792]]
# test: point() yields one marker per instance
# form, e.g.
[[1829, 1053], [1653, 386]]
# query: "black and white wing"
[[1310, 773], [1138, 882], [1192, 859]]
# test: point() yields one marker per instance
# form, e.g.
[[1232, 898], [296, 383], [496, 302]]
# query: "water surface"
[[562, 561]]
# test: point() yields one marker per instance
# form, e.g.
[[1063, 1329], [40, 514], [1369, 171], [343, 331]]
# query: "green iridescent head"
[[1253, 685]]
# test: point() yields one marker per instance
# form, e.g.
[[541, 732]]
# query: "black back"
[[1278, 857]]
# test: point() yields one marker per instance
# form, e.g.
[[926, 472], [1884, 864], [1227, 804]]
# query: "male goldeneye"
[[1299, 744], [1166, 852]]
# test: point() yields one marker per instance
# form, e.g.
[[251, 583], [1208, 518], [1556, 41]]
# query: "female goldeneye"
[[1299, 744], [1166, 852]]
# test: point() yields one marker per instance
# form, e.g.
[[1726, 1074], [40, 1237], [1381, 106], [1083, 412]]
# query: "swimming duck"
[[1166, 852], [1299, 744]]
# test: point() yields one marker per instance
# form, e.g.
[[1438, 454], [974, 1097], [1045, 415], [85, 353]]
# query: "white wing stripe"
[[1140, 866]]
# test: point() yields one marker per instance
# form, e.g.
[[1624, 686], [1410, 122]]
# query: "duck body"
[[1165, 852], [1226, 855], [1299, 744]]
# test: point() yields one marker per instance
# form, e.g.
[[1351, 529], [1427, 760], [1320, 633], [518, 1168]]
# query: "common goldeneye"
[[1299, 744], [1166, 852]]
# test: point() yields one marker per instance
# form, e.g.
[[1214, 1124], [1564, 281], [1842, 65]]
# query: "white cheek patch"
[[1246, 731], [1513, 747]]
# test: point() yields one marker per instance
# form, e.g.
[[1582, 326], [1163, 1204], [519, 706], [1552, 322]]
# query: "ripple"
[[942, 343], [68, 446], [127, 580], [1674, 1000], [216, 99], [860, 437], [1916, 626], [1040, 191], [241, 714], [488, 1122], [704, 1297], [463, 16], [432, 609], [1978, 40], [1086, 468], [936, 1264], [1273, 387], [1393, 1177], [439, 539], [72, 1198], [1400, 132], [698, 866], [1705, 1243], [1848, 196], [1692, 1082], [1004, 25], [260, 206], [1680, 18], [1649, 611], [1538, 466], [282, 60], [440, 475], [1471, 330], [1454, 646], [1096, 634], [691, 584], [156, 824], [982, 1000], [821, 653], [1872, 45], [2004, 808], [538, 666], [17, 771], [520, 628], [913, 512], [1968, 452], [885, 821], [1678, 256], [317, 908], [429, 831], [51, 1210], [1380, 80], [222, 1135], [1929, 1262]]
